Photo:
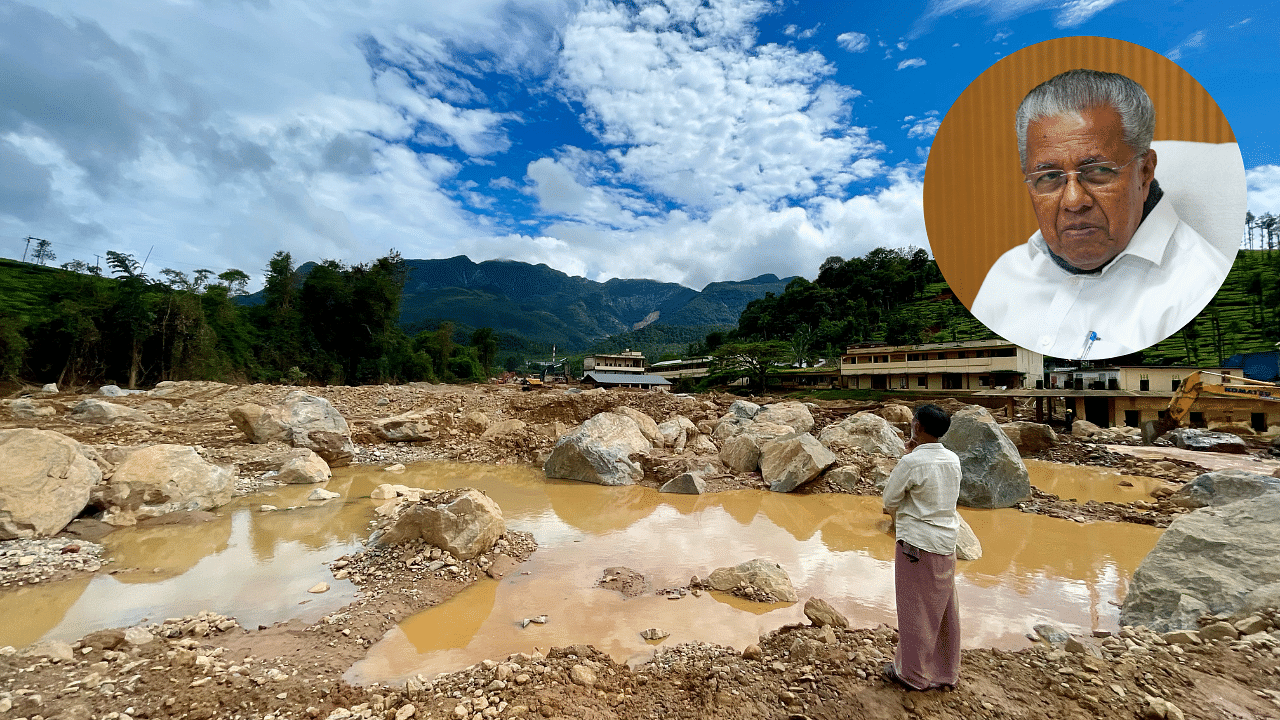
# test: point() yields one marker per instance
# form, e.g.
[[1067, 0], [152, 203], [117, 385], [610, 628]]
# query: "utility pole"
[[28, 247]]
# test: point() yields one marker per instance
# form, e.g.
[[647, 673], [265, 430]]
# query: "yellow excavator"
[[1192, 387]]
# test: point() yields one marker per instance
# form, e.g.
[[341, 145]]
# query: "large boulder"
[[1084, 429], [1223, 486], [790, 413], [764, 576], [466, 522], [677, 431], [689, 483], [45, 480], [648, 426], [899, 416], [744, 409], [101, 412], [160, 479], [1207, 441], [791, 461], [1207, 561], [304, 467], [1029, 437], [25, 409], [302, 420], [968, 547], [992, 473], [741, 453], [864, 431], [412, 427], [599, 451]]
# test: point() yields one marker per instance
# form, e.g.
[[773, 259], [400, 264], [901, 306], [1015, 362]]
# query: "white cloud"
[[1194, 40], [911, 63], [1077, 12], [853, 41], [902, 46], [924, 127], [794, 31], [1002, 35], [1068, 14], [1263, 183]]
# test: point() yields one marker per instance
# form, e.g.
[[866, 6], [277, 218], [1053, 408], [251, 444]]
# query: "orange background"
[[975, 204]]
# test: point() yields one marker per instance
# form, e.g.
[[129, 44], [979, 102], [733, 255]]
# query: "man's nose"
[[1074, 197]]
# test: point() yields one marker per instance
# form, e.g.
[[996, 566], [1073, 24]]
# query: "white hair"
[[1075, 91]]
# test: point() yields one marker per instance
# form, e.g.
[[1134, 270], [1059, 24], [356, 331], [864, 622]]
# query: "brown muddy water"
[[258, 566], [1083, 483]]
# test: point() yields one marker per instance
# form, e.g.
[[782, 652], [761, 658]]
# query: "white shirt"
[[921, 492], [1157, 284]]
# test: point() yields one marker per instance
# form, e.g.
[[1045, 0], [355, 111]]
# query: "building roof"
[[625, 379]]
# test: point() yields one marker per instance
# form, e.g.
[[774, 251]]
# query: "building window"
[[1144, 384], [982, 380], [1177, 382], [922, 381], [913, 357]]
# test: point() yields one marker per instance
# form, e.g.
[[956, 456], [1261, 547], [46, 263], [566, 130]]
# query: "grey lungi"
[[928, 617]]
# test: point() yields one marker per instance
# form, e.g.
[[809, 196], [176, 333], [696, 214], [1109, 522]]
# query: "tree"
[[124, 265], [235, 281], [486, 347], [43, 253], [753, 360], [78, 266]]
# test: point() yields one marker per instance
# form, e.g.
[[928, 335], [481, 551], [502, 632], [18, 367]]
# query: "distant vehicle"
[[1192, 387]]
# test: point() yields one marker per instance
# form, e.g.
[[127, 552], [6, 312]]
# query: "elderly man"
[[1112, 269], [920, 495]]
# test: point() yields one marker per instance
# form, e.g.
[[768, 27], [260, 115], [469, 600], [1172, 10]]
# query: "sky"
[[681, 140]]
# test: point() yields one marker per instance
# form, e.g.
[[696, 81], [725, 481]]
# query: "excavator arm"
[[1192, 387]]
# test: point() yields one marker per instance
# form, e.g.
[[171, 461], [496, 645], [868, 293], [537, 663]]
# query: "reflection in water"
[[833, 546], [1087, 482]]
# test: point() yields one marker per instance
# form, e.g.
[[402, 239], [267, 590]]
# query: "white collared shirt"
[[921, 492], [1156, 285]]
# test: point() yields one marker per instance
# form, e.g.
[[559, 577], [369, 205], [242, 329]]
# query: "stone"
[[1051, 633], [51, 649], [465, 522], [686, 484], [582, 675], [1262, 598], [821, 614], [702, 445], [111, 391], [789, 462], [320, 587], [1252, 624], [322, 494], [752, 652], [1207, 441], [764, 575], [599, 451], [476, 421], [1219, 631], [304, 467], [51, 388], [160, 479], [1029, 437], [864, 431], [302, 420], [1084, 429], [1182, 637], [395, 468], [675, 431], [791, 413], [846, 477], [968, 547], [1208, 560], [101, 412], [1223, 486], [744, 409], [654, 634], [410, 427], [385, 491], [648, 427], [504, 429], [741, 453], [138, 636], [899, 416], [501, 565], [24, 409], [258, 424], [406, 711], [992, 473], [45, 481]]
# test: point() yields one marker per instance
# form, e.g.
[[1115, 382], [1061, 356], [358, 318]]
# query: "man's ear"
[[1148, 171]]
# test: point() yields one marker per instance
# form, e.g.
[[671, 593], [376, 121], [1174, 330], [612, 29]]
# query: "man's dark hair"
[[933, 420]]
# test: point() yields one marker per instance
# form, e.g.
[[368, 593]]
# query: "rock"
[[788, 463], [501, 565], [686, 483], [100, 412], [267, 508], [744, 409], [899, 416], [1051, 633], [51, 388], [845, 476], [322, 494], [45, 482], [320, 587], [160, 479], [1029, 437], [1084, 429], [764, 575], [654, 634], [302, 420], [410, 427], [599, 451], [864, 431], [582, 675], [111, 391], [138, 636], [992, 473], [406, 711], [968, 547], [50, 648], [648, 427], [24, 409], [1219, 631], [752, 652], [791, 413], [396, 468], [821, 614], [1262, 598], [465, 522], [1208, 560], [1252, 624], [259, 425], [1223, 486], [1182, 637], [741, 453], [503, 429], [304, 467], [385, 491], [1207, 441], [676, 431], [476, 421], [702, 445]]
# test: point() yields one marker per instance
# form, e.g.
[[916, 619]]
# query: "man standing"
[[921, 495]]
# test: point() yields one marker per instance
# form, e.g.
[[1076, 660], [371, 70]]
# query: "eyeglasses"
[[1092, 176]]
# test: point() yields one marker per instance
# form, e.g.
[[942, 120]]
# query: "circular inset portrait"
[[1084, 198]]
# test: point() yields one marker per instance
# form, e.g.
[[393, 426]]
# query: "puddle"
[[833, 546], [1083, 483], [257, 566]]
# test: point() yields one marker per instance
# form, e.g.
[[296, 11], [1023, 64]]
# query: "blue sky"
[[683, 141]]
